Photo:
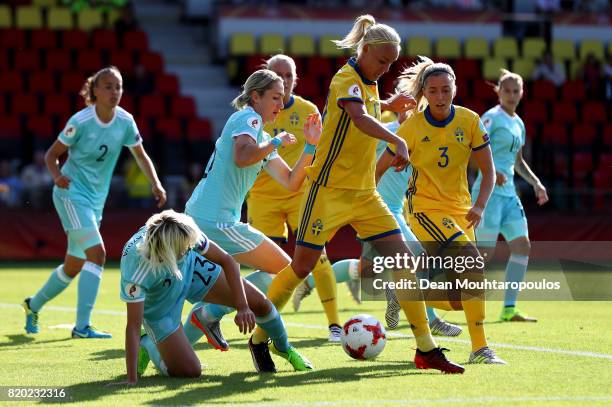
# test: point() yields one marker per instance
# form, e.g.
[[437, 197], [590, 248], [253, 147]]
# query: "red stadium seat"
[[104, 39], [24, 103], [583, 136], [43, 38], [602, 184], [144, 128], [135, 40], [5, 64], [89, 61], [13, 38], [476, 105], [605, 163], [565, 112], [3, 110], [123, 60], [535, 111], [58, 60], [152, 106], [555, 134], [10, 137], [607, 136], [167, 84], [582, 162], [253, 63], [307, 87], [483, 91], [75, 39], [318, 66], [467, 69], [72, 82], [9, 127], [57, 104], [594, 112], [26, 60], [463, 90], [40, 126], [573, 91], [169, 128], [199, 129], [12, 81], [183, 107], [127, 102], [543, 90], [42, 82], [561, 165], [152, 62]]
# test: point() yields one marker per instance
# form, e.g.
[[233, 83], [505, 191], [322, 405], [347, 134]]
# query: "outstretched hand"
[[313, 129]]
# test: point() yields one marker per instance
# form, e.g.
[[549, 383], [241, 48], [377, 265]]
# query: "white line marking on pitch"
[[445, 401], [391, 334]]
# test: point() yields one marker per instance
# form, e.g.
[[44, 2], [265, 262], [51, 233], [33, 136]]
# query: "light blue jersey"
[[507, 135], [163, 293], [219, 195], [393, 185], [93, 150]]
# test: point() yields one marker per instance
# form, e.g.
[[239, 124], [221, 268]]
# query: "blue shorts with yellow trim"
[[324, 210]]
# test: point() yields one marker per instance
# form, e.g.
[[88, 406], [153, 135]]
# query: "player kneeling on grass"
[[161, 266]]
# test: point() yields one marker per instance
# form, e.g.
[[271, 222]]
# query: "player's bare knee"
[[261, 306], [97, 255]]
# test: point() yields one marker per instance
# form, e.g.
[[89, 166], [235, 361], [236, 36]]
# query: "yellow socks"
[[416, 315], [325, 283], [475, 314], [279, 293]]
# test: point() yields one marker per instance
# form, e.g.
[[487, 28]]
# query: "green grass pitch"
[[564, 359]]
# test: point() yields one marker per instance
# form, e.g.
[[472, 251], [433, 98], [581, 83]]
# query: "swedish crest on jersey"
[[459, 135], [317, 227], [294, 119]]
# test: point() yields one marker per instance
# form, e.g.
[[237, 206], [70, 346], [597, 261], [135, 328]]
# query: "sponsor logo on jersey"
[[487, 122], [254, 123], [132, 290], [459, 134], [70, 131], [425, 139], [355, 91], [317, 227]]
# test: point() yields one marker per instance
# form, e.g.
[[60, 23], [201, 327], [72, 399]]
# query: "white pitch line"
[[391, 334], [445, 401]]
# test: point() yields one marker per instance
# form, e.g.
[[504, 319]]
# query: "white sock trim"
[[61, 274], [353, 269], [93, 268], [268, 317], [519, 259]]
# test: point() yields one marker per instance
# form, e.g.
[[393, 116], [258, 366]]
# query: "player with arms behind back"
[[93, 139]]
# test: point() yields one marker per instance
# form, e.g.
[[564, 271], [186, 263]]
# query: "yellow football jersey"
[[346, 157], [439, 154], [291, 119]]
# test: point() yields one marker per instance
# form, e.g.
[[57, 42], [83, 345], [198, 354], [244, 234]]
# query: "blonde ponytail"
[[412, 79], [366, 31]]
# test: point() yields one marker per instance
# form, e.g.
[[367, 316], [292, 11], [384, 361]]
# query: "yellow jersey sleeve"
[[480, 138]]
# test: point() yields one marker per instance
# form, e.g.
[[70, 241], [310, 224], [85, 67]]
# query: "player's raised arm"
[[292, 178]]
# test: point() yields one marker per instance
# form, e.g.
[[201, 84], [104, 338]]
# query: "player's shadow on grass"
[[208, 388], [238, 343], [219, 388], [22, 339], [107, 354]]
